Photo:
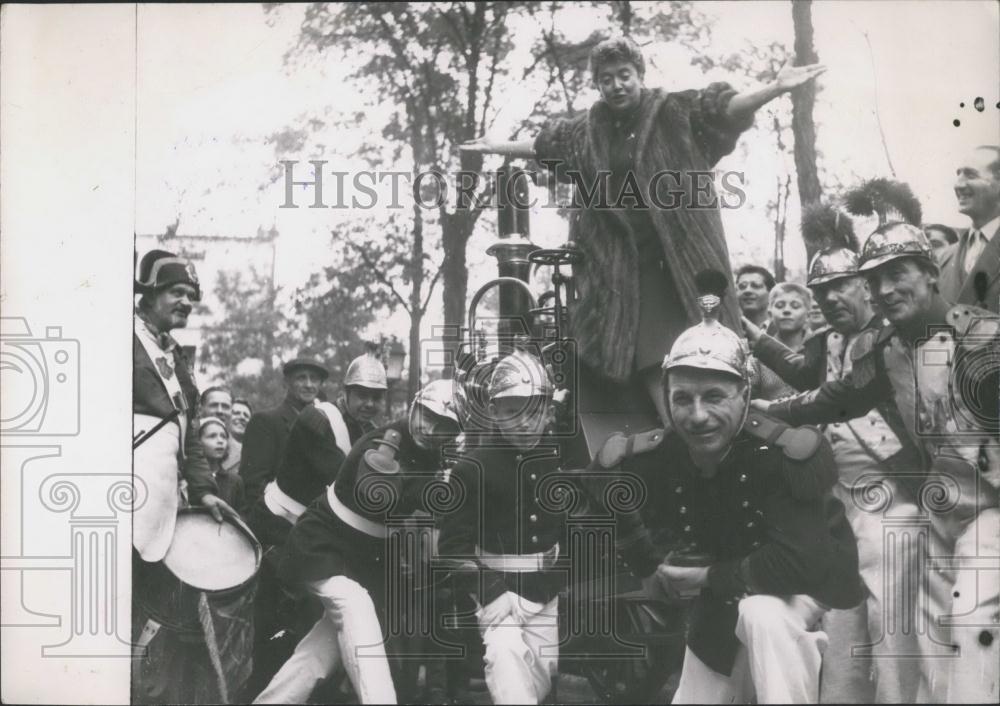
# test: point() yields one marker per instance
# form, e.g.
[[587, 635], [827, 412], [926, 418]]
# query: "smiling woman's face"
[[620, 85]]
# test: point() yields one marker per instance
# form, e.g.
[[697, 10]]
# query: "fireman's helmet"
[[892, 241], [710, 345], [438, 397], [520, 374], [831, 265], [366, 371]]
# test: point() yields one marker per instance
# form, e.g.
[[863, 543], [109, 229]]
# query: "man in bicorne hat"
[[169, 456], [162, 388]]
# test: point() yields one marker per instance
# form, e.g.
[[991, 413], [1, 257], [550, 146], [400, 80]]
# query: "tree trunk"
[[455, 231], [803, 99], [416, 294], [780, 222], [413, 383]]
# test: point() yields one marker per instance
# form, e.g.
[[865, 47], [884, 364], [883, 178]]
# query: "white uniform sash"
[[282, 504], [161, 360], [337, 425]]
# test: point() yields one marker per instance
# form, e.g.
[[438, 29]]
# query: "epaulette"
[[818, 333], [863, 368], [864, 344], [618, 447], [974, 327], [797, 443]]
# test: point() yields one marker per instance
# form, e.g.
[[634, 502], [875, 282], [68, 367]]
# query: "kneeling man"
[[761, 546]]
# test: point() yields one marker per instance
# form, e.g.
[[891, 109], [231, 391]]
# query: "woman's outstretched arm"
[[789, 77]]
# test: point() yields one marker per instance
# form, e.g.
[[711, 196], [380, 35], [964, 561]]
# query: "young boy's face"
[[521, 420]]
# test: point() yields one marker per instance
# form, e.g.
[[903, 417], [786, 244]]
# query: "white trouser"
[[155, 464], [874, 652], [960, 610], [778, 661], [522, 653], [358, 644]]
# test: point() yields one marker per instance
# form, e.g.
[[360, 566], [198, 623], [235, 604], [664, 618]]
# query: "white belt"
[[349, 517], [519, 563], [280, 504]]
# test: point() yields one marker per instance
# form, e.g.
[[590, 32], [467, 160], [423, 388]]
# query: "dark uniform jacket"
[[309, 463], [506, 507], [807, 370], [766, 517], [944, 395], [321, 544], [312, 458], [263, 445], [974, 372], [149, 396]]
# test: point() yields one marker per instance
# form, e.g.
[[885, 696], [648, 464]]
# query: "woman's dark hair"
[[244, 402], [615, 50]]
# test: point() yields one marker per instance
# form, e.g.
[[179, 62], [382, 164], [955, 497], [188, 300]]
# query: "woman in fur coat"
[[648, 215]]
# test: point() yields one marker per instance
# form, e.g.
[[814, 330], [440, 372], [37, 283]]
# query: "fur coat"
[[684, 134]]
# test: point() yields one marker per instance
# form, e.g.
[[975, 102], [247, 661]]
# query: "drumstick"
[[136, 443]]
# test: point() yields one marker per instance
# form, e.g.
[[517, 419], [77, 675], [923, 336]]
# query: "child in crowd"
[[788, 311], [214, 437]]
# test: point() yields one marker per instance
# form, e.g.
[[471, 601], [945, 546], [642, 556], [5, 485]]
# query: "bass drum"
[[192, 616]]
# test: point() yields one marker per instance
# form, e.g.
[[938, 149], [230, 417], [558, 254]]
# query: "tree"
[[761, 64], [803, 100], [251, 328], [436, 70], [376, 272]]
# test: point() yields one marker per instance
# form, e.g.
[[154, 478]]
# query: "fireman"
[[508, 535], [338, 550]]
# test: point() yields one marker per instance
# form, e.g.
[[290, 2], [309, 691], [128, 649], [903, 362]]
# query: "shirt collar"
[[987, 231], [164, 341]]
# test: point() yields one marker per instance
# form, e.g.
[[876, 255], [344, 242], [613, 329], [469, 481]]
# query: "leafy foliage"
[[329, 313]]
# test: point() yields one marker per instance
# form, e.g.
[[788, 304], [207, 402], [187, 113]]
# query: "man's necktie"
[[973, 250]]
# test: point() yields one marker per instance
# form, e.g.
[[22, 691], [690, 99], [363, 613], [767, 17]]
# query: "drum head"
[[209, 555]]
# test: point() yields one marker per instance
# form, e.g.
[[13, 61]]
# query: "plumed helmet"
[[366, 371], [438, 397], [159, 269], [899, 215], [894, 240], [831, 265], [520, 374], [830, 231], [710, 345]]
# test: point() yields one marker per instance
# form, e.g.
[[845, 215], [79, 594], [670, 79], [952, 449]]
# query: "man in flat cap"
[[267, 432]]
